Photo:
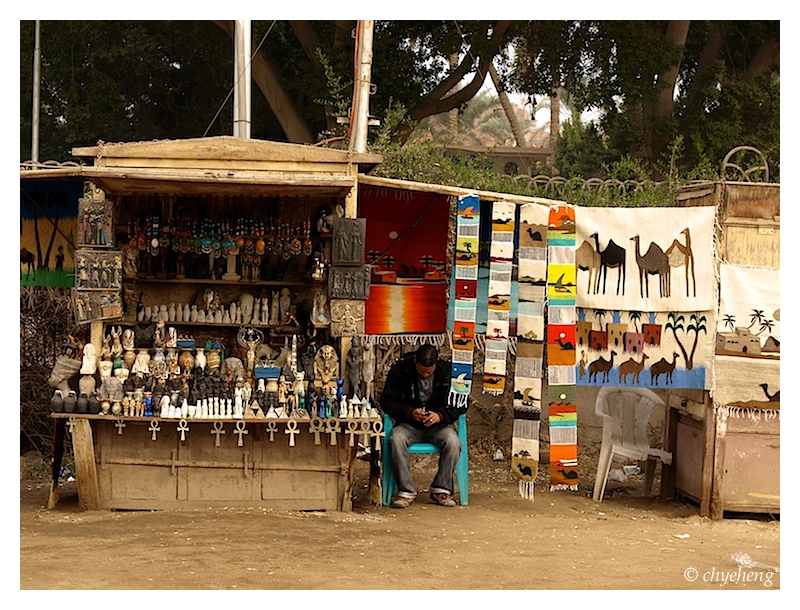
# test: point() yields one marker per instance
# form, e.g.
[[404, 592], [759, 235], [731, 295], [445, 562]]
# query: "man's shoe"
[[443, 499], [401, 502]]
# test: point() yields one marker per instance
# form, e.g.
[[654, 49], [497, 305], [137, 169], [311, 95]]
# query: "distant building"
[[634, 342], [652, 334], [741, 340]]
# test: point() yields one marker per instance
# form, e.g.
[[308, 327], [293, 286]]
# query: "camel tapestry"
[[561, 391], [749, 309], [646, 259], [501, 263], [649, 319], [747, 371], [48, 224], [529, 361]]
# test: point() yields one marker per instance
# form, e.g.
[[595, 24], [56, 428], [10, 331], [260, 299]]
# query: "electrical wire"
[[238, 77]]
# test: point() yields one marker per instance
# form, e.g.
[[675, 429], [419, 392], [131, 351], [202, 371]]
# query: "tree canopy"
[[713, 84]]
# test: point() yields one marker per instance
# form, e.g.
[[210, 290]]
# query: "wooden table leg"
[[85, 466], [667, 493], [717, 478], [59, 431], [707, 476]]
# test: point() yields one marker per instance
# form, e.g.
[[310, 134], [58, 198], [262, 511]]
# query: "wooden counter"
[[150, 464]]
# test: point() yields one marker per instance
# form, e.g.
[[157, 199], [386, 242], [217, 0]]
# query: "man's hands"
[[429, 418]]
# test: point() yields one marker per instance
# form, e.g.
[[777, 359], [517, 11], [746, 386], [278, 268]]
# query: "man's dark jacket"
[[401, 392]]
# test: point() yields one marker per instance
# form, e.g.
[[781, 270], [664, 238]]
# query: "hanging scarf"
[[501, 263], [561, 292], [532, 277], [465, 279]]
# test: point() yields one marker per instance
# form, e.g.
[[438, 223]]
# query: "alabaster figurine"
[[160, 335], [246, 305], [116, 341], [128, 339], [89, 363]]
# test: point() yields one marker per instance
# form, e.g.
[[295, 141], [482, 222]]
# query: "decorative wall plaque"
[[347, 318], [95, 223], [349, 282], [98, 269], [348, 241]]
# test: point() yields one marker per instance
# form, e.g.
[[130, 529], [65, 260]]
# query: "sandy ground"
[[499, 542]]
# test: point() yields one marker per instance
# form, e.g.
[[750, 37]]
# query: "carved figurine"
[[326, 369], [354, 366], [89, 363]]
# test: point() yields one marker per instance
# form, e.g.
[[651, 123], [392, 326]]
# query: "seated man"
[[415, 397]]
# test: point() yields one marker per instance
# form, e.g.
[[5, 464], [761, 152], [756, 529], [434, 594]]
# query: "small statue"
[[326, 369], [128, 339], [285, 304], [160, 335], [354, 365], [89, 363], [116, 343], [320, 311], [274, 313]]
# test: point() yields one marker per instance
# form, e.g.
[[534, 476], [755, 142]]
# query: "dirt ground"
[[561, 541]]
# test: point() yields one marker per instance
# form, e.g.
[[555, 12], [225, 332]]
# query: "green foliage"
[[581, 151]]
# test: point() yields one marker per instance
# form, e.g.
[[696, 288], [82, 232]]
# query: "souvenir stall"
[[727, 441], [221, 281]]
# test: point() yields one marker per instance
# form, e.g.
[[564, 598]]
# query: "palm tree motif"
[[696, 325], [634, 317], [766, 324], [389, 261], [600, 314], [426, 260], [756, 316], [373, 255], [729, 320]]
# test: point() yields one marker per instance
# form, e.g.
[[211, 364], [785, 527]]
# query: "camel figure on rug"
[[601, 366], [662, 367], [588, 259], [776, 397], [613, 257], [654, 262], [26, 257], [631, 367], [681, 255]]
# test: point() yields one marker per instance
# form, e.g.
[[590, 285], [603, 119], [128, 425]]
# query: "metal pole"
[[37, 65], [242, 79], [358, 133]]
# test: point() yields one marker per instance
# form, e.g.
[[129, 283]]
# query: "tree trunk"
[[658, 108], [508, 108], [768, 53], [452, 116], [555, 117], [438, 100]]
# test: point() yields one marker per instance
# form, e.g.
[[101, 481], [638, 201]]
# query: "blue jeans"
[[443, 436]]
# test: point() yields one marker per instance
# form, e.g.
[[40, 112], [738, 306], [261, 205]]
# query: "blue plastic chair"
[[462, 467]]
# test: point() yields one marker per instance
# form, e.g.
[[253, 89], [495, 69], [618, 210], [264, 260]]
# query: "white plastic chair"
[[626, 414]]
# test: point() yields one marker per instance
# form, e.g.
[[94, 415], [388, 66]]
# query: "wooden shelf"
[[155, 280], [195, 420]]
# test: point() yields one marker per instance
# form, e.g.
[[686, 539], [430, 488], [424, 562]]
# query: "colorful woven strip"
[[465, 279], [501, 264], [563, 412], [531, 278]]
